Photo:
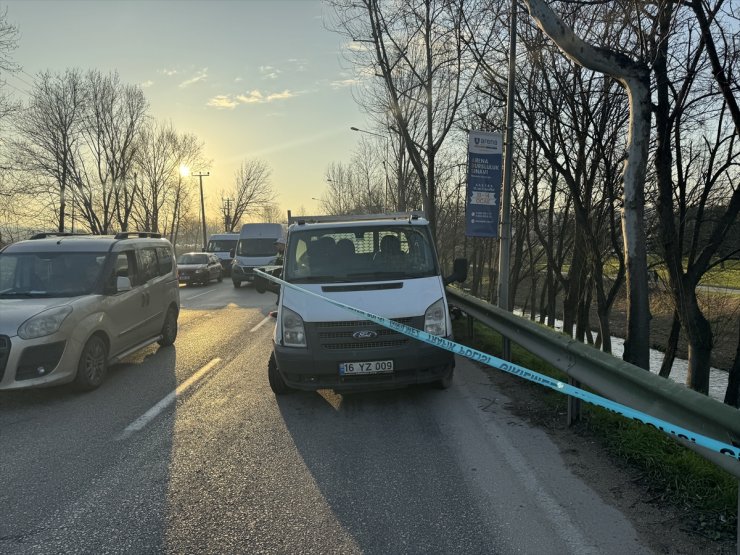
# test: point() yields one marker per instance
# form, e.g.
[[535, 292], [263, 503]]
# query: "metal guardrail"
[[615, 379]]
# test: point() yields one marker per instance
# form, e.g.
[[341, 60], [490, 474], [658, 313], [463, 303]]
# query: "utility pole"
[[505, 234], [200, 177], [227, 213]]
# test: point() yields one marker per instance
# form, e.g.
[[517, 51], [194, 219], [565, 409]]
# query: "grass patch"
[[673, 472], [727, 276]]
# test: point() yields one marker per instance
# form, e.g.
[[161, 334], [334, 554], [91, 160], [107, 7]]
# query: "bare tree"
[[161, 192], [252, 192], [635, 78], [418, 52], [49, 126], [114, 115], [8, 43], [696, 163]]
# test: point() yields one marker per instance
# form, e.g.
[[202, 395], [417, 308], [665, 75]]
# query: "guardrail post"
[[471, 327], [574, 405]]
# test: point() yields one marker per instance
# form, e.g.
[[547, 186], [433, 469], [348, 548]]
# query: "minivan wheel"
[[237, 284], [446, 382], [169, 329], [277, 383], [93, 364]]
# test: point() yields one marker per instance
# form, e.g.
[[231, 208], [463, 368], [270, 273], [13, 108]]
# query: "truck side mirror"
[[459, 271], [231, 253]]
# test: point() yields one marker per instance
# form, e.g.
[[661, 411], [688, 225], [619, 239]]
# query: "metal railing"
[[615, 379]]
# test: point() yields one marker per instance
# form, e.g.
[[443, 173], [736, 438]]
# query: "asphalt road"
[[228, 468]]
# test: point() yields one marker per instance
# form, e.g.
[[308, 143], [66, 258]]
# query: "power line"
[[16, 88]]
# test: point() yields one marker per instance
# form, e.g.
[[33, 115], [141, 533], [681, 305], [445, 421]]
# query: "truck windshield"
[[257, 247], [355, 254], [221, 245]]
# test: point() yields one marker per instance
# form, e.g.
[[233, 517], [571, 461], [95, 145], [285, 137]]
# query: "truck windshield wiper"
[[378, 275], [319, 279]]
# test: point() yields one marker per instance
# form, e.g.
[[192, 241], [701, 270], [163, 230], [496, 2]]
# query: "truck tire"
[[446, 382], [277, 383]]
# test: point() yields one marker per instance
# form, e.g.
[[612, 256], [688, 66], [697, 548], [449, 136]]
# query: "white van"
[[256, 248], [383, 264], [222, 245]]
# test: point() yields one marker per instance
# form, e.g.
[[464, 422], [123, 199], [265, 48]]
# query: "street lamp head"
[[354, 129]]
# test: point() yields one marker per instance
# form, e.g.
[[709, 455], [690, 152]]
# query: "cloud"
[[280, 96], [146, 84], [342, 83], [168, 72], [222, 102], [252, 97], [269, 72], [200, 76]]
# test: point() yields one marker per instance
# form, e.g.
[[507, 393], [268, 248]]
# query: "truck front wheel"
[[277, 383]]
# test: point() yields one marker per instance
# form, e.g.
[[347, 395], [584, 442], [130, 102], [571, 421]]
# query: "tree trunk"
[[671, 347], [732, 395], [699, 337], [635, 78]]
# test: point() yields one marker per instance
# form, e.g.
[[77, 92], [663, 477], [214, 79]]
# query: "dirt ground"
[[664, 527]]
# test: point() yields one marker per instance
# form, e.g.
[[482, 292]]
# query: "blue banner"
[[483, 195]]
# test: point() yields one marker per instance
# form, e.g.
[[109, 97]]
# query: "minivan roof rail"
[[142, 234], [45, 234], [410, 215]]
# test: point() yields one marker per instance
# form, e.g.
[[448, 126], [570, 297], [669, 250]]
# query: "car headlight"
[[294, 334], [201, 270], [44, 323], [435, 322]]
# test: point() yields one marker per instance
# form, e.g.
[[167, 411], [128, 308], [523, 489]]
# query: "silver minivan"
[[71, 305]]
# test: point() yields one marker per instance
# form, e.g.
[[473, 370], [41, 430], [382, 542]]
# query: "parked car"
[[72, 305], [199, 267]]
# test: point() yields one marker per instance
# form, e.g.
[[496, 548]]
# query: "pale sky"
[[251, 78]]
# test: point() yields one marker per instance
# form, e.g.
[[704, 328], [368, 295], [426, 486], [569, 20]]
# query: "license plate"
[[369, 367], [184, 278]]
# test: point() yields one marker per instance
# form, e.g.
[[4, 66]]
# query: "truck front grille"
[[336, 336]]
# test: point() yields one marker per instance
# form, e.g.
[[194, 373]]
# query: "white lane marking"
[[170, 398], [199, 295], [262, 323]]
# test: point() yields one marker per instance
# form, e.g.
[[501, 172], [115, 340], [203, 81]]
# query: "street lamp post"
[[385, 161]]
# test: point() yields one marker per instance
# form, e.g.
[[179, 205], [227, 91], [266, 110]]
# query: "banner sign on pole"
[[484, 184]]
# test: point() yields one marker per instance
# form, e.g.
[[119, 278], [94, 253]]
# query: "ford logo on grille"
[[364, 334]]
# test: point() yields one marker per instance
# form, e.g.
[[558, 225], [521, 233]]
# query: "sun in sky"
[[252, 79]]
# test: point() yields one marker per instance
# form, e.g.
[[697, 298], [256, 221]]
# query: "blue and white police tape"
[[531, 375]]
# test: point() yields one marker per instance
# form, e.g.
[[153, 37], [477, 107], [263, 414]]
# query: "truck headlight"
[[435, 322], [44, 323], [294, 334]]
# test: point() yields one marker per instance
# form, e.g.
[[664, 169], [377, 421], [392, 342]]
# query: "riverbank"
[[720, 308]]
